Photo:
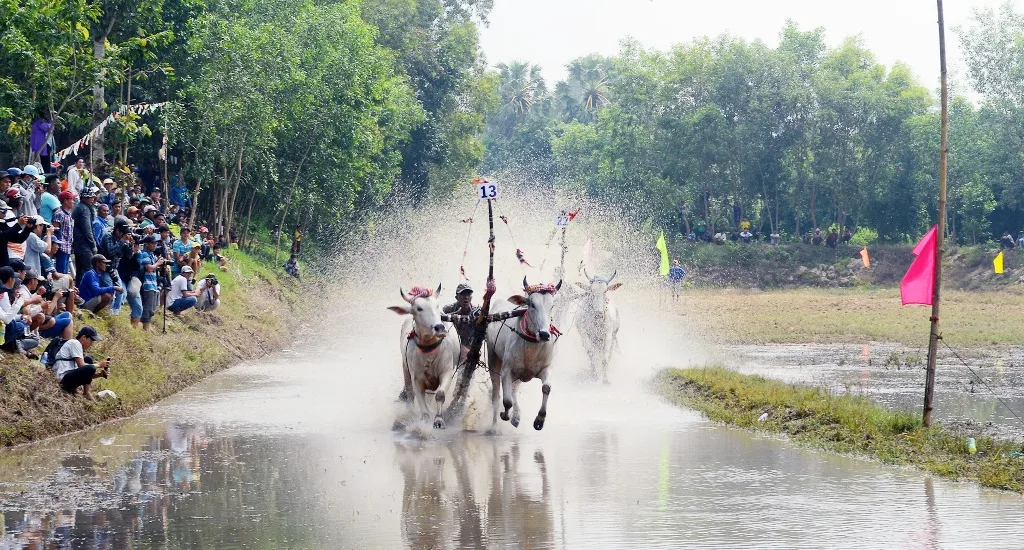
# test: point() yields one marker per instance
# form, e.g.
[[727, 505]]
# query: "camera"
[[211, 279]]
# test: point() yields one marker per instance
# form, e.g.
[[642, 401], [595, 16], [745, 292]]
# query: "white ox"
[[428, 357], [520, 349], [598, 322]]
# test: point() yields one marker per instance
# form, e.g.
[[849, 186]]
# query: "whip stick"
[[479, 332]]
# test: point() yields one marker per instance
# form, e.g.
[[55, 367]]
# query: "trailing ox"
[[429, 358], [598, 322], [520, 349]]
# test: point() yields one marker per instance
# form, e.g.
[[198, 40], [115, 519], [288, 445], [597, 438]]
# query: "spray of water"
[[433, 243]]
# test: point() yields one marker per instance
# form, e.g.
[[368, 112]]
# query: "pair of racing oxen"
[[519, 349]]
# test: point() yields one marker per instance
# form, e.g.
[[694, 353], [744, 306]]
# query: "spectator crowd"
[[73, 245]]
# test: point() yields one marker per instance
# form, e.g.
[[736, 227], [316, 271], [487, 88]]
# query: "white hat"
[[186, 269]]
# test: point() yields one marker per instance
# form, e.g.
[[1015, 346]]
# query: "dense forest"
[[311, 112], [305, 112], [795, 137]]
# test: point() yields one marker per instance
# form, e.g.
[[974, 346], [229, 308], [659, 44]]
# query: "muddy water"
[[297, 452], [992, 395]]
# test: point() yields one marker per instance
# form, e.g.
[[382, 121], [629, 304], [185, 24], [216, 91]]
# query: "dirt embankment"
[[789, 266], [256, 317]]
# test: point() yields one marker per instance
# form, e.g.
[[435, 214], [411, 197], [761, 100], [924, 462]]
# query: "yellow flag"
[[997, 263], [865, 258], [664, 253]]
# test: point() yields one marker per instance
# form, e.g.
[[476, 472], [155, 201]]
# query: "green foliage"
[[842, 423], [799, 136], [864, 236]]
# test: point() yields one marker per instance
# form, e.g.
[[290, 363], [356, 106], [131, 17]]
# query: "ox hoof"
[[515, 421], [403, 397], [438, 424], [504, 416], [397, 427], [538, 424]]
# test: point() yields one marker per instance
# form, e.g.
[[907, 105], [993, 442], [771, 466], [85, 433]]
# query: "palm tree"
[[520, 88], [586, 89]]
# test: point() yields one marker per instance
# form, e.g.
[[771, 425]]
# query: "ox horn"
[[404, 295], [559, 285], [525, 284], [587, 275], [438, 291], [613, 275]]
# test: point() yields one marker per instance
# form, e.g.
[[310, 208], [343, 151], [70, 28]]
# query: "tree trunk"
[[99, 104], [284, 215], [244, 239], [195, 202]]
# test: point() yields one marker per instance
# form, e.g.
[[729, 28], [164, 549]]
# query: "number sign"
[[486, 190]]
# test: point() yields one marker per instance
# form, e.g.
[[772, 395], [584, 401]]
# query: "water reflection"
[[474, 491]]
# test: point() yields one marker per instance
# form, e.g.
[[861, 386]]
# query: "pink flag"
[[919, 282]]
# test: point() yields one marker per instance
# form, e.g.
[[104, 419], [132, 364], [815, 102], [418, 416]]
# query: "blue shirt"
[[148, 277], [47, 206], [91, 286], [98, 225], [179, 196], [676, 273]]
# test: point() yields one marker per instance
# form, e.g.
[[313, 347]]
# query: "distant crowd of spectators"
[[80, 243]]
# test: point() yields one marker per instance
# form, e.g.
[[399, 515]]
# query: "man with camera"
[[16, 323], [117, 245], [180, 297], [208, 290], [74, 369]]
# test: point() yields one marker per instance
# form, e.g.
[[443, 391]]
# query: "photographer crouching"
[[209, 293], [74, 369]]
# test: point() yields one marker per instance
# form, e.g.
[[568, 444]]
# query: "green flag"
[[664, 253]]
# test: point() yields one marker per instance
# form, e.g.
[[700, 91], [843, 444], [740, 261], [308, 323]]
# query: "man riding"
[[463, 305]]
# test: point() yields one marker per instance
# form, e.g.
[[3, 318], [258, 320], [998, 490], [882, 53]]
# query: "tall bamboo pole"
[[940, 234], [454, 410]]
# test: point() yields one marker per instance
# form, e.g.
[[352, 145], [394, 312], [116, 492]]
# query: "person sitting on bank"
[[44, 305], [746, 236], [92, 291], [208, 291], [180, 297], [16, 324], [74, 369], [1006, 241]]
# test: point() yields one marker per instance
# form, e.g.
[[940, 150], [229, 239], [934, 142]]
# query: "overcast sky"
[[550, 33]]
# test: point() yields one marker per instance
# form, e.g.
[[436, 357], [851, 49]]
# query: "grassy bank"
[[834, 315], [257, 304], [844, 424]]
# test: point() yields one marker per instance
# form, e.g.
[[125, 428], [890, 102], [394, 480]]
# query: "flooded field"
[[296, 452], [894, 375]]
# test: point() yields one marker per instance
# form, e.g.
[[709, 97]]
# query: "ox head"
[[598, 287], [538, 301], [422, 304]]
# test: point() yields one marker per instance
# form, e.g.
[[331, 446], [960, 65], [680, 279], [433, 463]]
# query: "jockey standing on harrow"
[[463, 305]]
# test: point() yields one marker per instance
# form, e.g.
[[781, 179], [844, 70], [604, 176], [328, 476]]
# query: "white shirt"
[[65, 361], [75, 180], [178, 288], [9, 311], [201, 287]]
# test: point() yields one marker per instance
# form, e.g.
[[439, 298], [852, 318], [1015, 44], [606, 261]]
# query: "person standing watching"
[[64, 226], [76, 176], [38, 243], [73, 369], [49, 203], [83, 238], [12, 230], [675, 277], [149, 265]]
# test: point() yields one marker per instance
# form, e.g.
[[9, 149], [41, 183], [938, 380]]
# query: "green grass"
[[256, 303], [844, 424], [834, 315]]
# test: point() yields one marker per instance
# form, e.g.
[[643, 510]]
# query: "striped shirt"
[[63, 236]]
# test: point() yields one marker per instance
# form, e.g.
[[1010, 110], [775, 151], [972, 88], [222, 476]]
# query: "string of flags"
[[138, 109]]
